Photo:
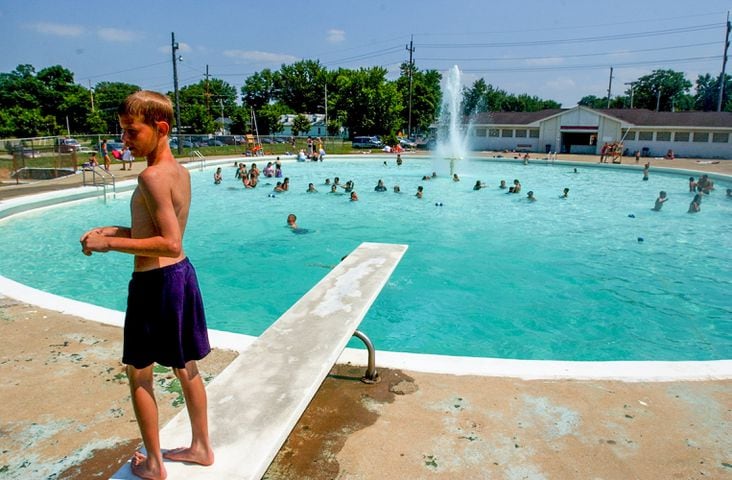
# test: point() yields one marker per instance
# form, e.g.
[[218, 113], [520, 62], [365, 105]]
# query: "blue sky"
[[560, 50]]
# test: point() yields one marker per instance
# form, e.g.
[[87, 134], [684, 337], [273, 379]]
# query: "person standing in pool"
[[695, 205], [165, 321], [646, 167], [662, 198]]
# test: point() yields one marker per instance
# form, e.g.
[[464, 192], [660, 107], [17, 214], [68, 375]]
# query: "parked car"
[[67, 145], [406, 143], [366, 142], [212, 142], [185, 143]]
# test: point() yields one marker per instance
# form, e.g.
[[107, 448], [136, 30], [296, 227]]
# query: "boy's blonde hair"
[[149, 106]]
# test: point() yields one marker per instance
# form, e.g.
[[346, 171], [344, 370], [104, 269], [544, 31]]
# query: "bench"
[[254, 404]]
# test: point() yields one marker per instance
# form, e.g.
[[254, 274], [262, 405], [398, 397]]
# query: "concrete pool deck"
[[66, 410]]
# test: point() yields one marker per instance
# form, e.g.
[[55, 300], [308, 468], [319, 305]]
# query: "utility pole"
[[410, 49], [207, 94], [724, 65], [658, 99], [610, 87], [91, 94], [174, 49], [632, 84]]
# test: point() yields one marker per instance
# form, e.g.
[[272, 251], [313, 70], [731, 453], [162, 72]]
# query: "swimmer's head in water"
[[291, 219]]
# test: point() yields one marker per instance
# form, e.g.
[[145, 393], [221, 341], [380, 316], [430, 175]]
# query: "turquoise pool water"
[[487, 274]]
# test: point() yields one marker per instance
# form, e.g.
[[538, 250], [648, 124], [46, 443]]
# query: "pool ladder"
[[100, 178], [196, 155]]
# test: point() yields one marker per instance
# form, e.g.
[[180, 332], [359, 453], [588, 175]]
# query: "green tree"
[[426, 96], [707, 92], [205, 104], [259, 89], [108, 96], [268, 118], [659, 88], [301, 86], [368, 103], [300, 124]]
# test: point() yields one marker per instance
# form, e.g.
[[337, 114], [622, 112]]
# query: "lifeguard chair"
[[254, 148]]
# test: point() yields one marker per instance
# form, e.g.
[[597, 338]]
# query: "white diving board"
[[256, 401]]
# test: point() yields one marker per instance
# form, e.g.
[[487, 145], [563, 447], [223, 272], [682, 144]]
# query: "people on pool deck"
[[530, 196], [420, 189], [217, 176], [311, 188], [565, 193], [380, 187], [646, 167], [478, 185], [670, 154], [292, 221], [354, 197], [516, 187], [399, 190], [399, 159], [502, 185], [695, 205], [301, 157], [692, 184], [662, 198]]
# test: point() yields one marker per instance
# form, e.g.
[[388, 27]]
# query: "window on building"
[[645, 136], [681, 137], [720, 137], [534, 133], [520, 132], [507, 132], [629, 135], [480, 132], [701, 137], [663, 136], [493, 132]]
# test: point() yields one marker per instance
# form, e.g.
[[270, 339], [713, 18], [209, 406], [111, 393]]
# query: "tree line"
[[364, 101]]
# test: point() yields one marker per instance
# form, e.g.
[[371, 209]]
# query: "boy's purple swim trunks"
[[165, 322]]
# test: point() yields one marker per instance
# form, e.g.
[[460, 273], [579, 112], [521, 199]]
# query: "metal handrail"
[[103, 175], [197, 154], [371, 376]]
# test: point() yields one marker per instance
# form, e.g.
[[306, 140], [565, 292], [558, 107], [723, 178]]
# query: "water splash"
[[452, 134]]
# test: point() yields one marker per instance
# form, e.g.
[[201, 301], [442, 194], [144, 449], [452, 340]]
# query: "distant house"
[[317, 125], [584, 130]]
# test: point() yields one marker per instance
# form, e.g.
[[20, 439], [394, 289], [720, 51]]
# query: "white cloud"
[[561, 83], [257, 56], [57, 29], [336, 36], [117, 35]]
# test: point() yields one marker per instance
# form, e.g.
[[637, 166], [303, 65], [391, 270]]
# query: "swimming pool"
[[487, 274]]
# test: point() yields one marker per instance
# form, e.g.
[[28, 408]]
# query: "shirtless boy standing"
[[165, 320]]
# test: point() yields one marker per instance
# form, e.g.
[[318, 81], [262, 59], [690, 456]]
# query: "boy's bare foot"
[[140, 467], [190, 455]]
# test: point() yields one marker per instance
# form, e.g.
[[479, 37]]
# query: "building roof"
[[515, 118], [315, 119], [637, 117], [643, 117]]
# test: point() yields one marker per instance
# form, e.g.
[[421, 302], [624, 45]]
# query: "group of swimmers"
[[701, 187]]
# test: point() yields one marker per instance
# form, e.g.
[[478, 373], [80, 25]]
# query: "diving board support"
[[257, 400]]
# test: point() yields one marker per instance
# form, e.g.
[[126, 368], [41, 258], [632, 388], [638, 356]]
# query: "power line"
[[124, 71], [589, 67], [534, 43], [508, 59]]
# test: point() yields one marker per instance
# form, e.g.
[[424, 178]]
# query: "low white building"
[[585, 130], [318, 127]]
